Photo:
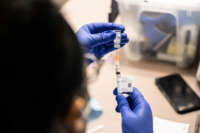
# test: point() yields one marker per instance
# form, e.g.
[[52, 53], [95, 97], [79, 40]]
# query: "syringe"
[[116, 57], [117, 69], [124, 84]]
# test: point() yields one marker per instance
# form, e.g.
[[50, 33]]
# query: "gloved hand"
[[139, 118], [156, 28], [97, 38]]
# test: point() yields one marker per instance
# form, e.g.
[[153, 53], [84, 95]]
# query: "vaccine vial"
[[117, 39]]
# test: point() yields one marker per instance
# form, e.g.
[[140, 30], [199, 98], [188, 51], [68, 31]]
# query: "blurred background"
[[139, 61]]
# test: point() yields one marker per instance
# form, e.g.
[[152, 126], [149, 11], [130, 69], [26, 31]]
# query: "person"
[[42, 73]]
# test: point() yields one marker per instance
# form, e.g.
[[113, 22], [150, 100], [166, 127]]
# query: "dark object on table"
[[197, 125], [114, 11], [178, 93]]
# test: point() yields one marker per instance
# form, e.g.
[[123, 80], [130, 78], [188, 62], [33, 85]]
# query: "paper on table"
[[167, 126], [95, 129]]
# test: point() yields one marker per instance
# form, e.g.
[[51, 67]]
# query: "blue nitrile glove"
[[139, 118], [97, 38]]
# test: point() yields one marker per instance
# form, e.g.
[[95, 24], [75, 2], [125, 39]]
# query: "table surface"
[[143, 73]]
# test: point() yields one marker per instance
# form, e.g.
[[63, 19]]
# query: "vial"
[[117, 39]]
